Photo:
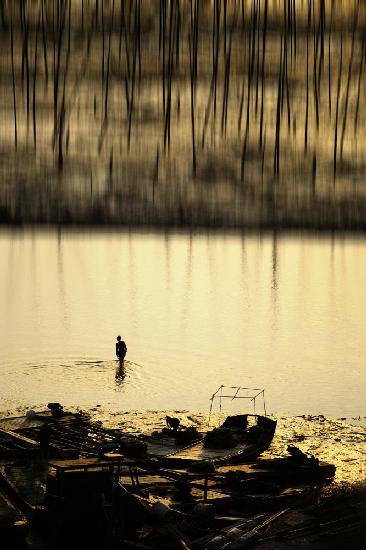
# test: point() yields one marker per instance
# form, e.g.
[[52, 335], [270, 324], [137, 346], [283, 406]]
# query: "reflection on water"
[[120, 372], [286, 313]]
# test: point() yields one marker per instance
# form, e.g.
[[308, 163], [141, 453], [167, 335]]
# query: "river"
[[282, 312]]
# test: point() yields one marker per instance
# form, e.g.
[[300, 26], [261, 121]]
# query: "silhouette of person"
[[121, 349]]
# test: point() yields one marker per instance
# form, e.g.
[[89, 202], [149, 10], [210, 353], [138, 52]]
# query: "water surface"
[[286, 313]]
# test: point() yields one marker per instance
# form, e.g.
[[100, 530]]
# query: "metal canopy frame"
[[255, 393]]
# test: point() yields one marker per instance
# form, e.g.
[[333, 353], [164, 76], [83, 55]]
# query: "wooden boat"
[[290, 469], [16, 445], [227, 492], [70, 435], [285, 469], [248, 440], [240, 438], [151, 522], [255, 495]]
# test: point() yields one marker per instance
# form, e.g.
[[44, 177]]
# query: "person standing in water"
[[121, 348]]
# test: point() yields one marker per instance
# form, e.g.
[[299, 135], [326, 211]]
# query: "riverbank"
[[341, 441], [227, 205], [334, 520]]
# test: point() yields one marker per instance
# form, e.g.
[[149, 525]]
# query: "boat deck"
[[163, 446], [199, 452], [14, 444], [73, 434]]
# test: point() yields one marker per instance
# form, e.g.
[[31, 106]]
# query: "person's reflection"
[[120, 372]]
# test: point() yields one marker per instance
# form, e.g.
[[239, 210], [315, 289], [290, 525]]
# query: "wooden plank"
[[19, 438], [85, 463]]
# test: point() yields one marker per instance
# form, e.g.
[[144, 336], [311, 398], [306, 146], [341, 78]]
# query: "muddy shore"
[[339, 441]]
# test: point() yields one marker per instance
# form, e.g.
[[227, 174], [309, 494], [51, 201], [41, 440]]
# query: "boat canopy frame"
[[254, 394]]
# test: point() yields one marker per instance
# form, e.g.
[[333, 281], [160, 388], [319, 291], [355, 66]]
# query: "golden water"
[[286, 313]]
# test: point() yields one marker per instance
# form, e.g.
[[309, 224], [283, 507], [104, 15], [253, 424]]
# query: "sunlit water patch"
[[286, 313]]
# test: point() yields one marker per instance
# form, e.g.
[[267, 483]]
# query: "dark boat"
[[285, 469], [247, 437], [14, 445], [69, 434], [151, 521], [240, 438], [289, 469]]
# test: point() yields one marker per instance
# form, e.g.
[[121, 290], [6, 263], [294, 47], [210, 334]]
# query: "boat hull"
[[247, 449]]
